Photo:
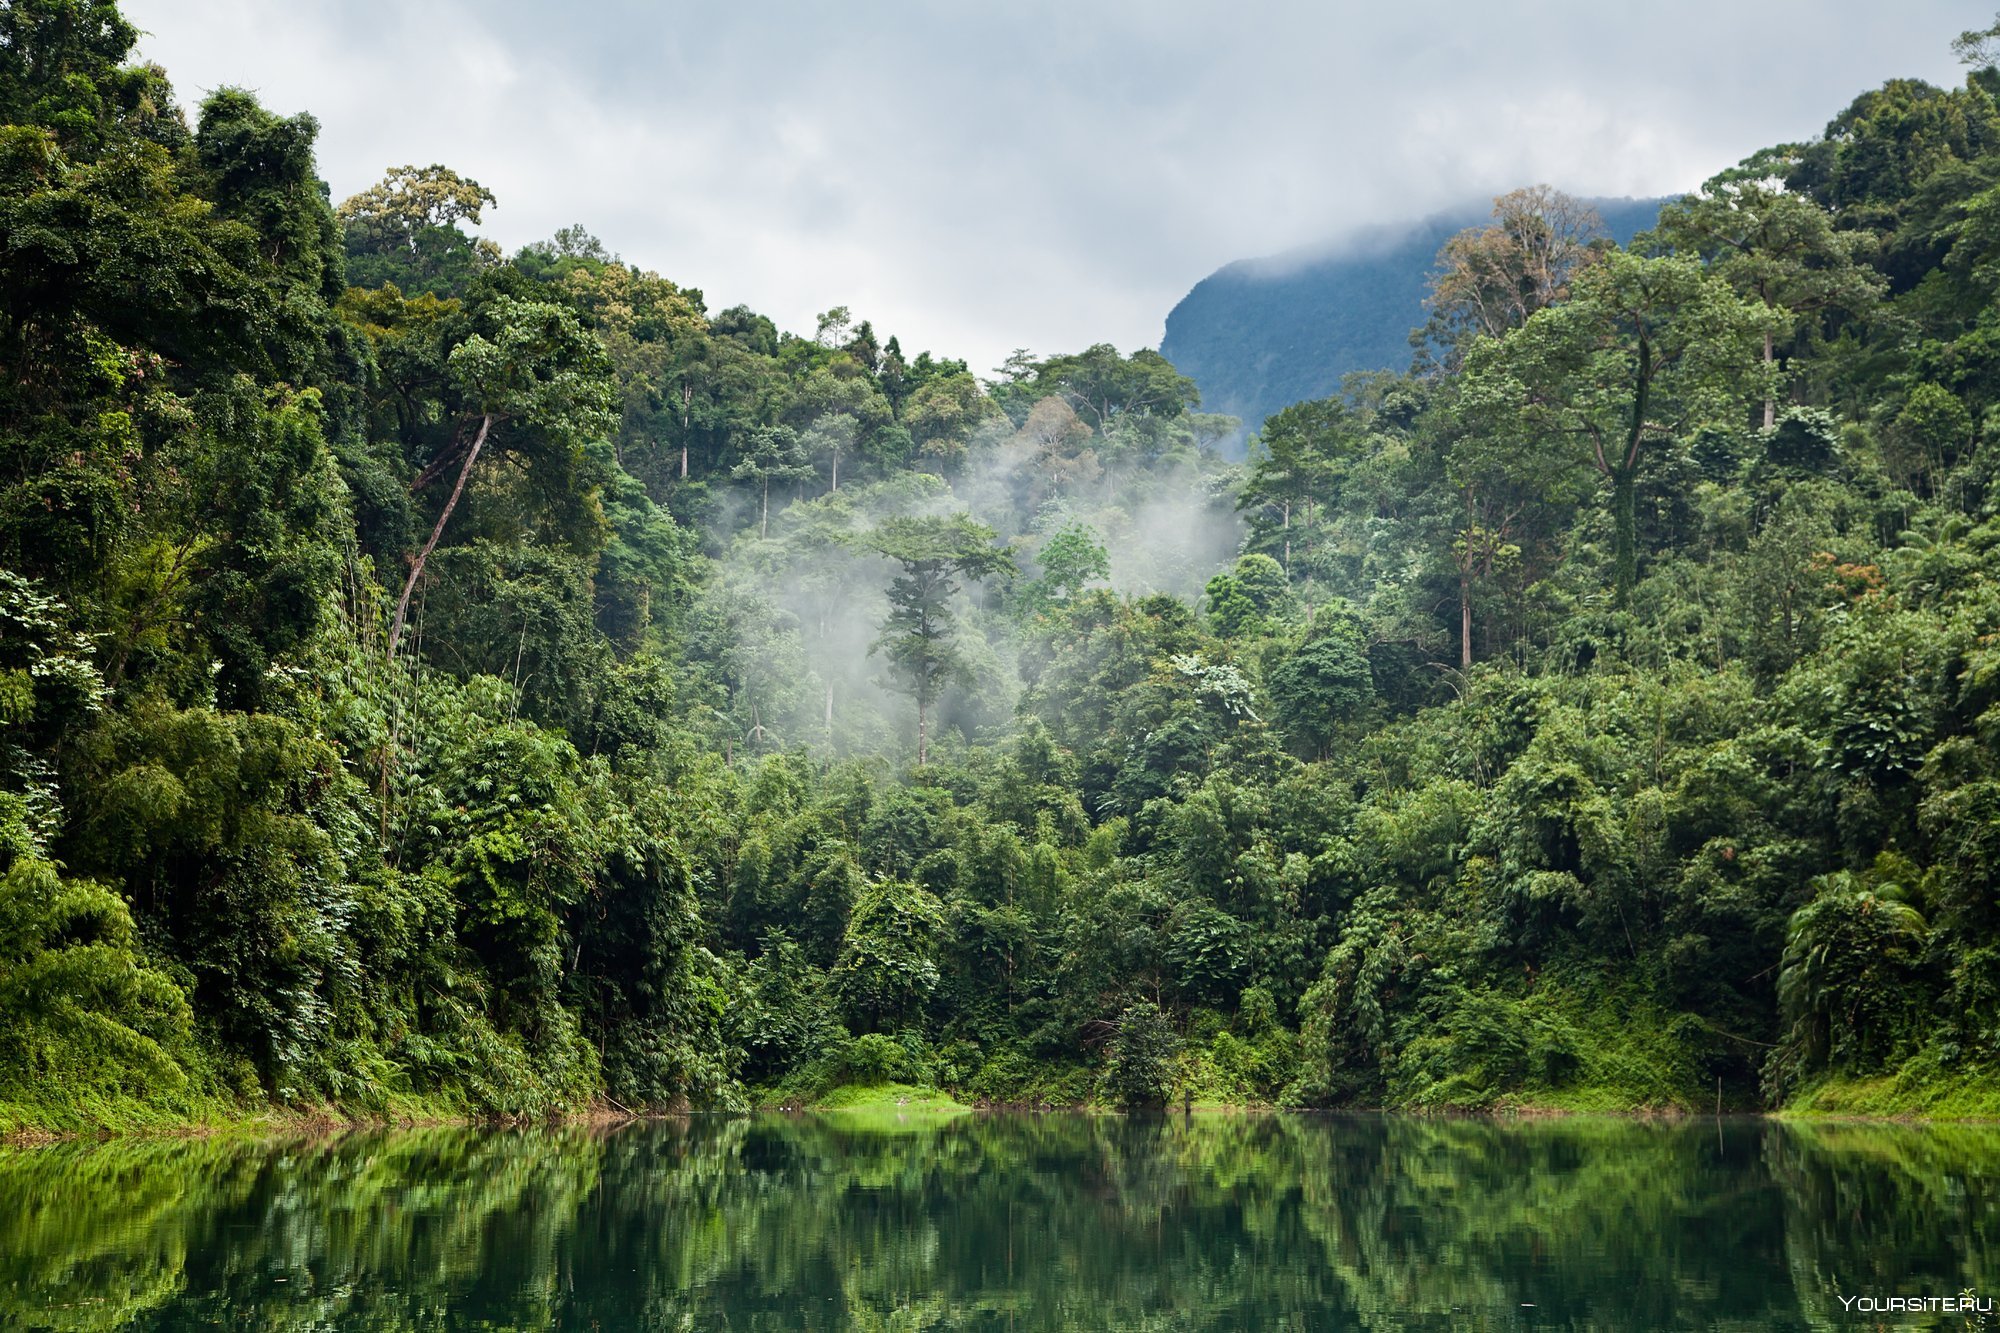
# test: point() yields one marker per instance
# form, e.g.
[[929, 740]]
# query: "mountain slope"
[[1260, 334]]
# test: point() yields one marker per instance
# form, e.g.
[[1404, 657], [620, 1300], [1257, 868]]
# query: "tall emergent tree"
[[1492, 279], [1504, 486], [406, 229], [1644, 350], [1296, 463], [920, 635], [1777, 246], [771, 453]]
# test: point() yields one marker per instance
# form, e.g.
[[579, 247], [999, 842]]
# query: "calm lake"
[[1007, 1222]]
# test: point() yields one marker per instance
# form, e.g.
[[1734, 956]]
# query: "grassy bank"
[[883, 1097], [1918, 1090], [30, 1122]]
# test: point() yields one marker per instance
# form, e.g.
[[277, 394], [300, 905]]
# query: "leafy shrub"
[[1144, 1059]]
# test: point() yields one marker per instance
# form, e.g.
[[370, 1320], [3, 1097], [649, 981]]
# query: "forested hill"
[[1261, 334], [434, 681]]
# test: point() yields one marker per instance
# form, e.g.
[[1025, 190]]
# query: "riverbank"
[[1905, 1097], [874, 1098], [1914, 1092], [1886, 1100], [118, 1118]]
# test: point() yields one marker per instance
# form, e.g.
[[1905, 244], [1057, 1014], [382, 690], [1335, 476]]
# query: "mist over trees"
[[439, 681]]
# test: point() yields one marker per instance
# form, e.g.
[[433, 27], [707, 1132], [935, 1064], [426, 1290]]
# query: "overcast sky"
[[1048, 175]]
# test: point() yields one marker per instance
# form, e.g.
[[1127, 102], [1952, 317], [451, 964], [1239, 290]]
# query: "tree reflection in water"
[[1001, 1221]]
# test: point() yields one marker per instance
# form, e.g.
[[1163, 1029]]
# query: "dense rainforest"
[[438, 682]]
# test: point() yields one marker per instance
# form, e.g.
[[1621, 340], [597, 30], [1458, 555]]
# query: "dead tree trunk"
[[451, 503]]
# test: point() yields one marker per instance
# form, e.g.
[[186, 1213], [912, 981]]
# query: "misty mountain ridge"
[[1258, 335]]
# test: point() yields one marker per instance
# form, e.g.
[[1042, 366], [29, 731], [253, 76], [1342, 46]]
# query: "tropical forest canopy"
[[438, 680]]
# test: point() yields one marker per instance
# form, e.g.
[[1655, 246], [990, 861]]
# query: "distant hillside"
[[1261, 334]]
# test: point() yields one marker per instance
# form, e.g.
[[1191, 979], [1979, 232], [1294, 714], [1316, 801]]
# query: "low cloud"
[[1035, 175]]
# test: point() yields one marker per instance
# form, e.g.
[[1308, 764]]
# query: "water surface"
[[1005, 1222]]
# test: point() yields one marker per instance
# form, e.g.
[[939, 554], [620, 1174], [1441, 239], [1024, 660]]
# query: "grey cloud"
[[1034, 174]]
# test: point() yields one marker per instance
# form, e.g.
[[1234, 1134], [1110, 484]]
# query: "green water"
[[1004, 1222]]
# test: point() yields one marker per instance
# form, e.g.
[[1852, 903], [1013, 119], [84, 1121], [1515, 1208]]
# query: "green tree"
[[1850, 985], [1506, 488], [1323, 682], [1779, 247], [1933, 431], [942, 412], [1145, 1052], [1643, 351], [62, 68], [86, 1013], [771, 453], [1100, 384], [1069, 559], [1296, 465], [888, 965], [408, 229], [919, 638], [831, 438], [1249, 597]]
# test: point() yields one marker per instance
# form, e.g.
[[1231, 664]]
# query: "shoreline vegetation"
[[440, 684], [1869, 1102]]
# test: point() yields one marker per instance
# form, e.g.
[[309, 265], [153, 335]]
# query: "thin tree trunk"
[[764, 511], [1465, 617], [923, 718], [417, 567], [1625, 485], [1770, 402], [520, 655], [687, 397], [1625, 530]]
